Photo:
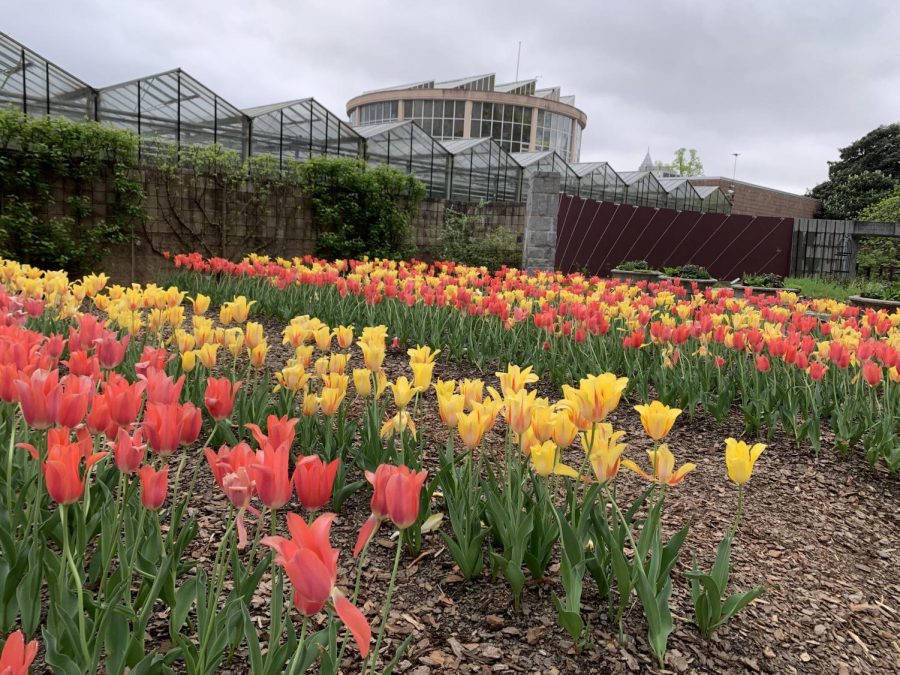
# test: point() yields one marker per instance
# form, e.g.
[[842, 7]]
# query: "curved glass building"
[[517, 115]]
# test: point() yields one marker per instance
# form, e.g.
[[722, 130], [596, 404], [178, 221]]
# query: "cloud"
[[784, 84]]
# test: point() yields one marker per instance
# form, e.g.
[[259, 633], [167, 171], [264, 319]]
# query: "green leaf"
[[737, 602]]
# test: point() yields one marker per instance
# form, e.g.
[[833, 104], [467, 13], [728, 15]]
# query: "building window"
[[554, 132], [376, 113], [509, 125], [439, 118]]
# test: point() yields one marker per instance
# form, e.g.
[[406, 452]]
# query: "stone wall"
[[184, 221], [541, 215]]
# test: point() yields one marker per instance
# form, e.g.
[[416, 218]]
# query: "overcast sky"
[[782, 83]]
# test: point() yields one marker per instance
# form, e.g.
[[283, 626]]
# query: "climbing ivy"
[[49, 171]]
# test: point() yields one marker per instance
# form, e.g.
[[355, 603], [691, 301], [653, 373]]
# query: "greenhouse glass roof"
[[405, 146]]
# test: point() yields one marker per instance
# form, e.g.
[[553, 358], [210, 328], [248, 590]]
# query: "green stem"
[[13, 423], [740, 510], [359, 567], [387, 606], [76, 575]]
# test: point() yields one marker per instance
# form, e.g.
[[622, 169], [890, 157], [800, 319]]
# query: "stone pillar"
[[541, 213]]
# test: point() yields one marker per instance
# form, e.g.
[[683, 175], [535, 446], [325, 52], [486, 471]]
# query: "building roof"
[[526, 87], [729, 180]]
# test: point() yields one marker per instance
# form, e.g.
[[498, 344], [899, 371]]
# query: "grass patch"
[[815, 287]]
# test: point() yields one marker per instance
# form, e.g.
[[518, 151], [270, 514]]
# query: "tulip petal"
[[356, 622], [365, 533]]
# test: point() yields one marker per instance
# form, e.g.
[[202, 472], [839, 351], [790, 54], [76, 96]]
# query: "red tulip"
[[153, 486], [111, 350], [395, 495], [280, 431], [762, 364], [219, 397], [76, 392], [311, 565], [8, 390], [872, 373], [817, 371], [128, 451], [62, 468], [90, 328], [169, 425], [231, 469], [39, 397], [229, 460], [17, 656], [79, 363], [314, 480], [161, 388], [270, 472], [54, 346], [99, 421], [152, 358], [123, 399]]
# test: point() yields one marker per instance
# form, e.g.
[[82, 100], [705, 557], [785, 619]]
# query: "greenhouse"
[[406, 147], [680, 195], [712, 199], [300, 129], [172, 107], [643, 189], [35, 86], [483, 171], [598, 181], [547, 160]]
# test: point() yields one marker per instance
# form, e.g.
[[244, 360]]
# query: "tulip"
[[518, 408], [189, 361], [200, 303], [373, 355], [152, 359], [161, 388], [153, 486], [75, 396], [313, 481], [240, 308], [17, 656], [293, 378], [470, 427], [740, 458], [344, 335], [39, 396], [603, 450], [128, 451], [817, 371], [597, 396], [422, 374], [871, 372], [110, 350], [545, 460], [219, 397], [62, 468], [322, 336], [563, 431], [362, 382], [403, 391], [253, 334], [310, 405], [229, 460], [444, 388], [449, 407], [258, 355], [270, 470], [123, 398], [169, 425], [395, 426], [664, 471], [99, 420], [207, 355], [762, 364], [79, 363], [321, 366], [311, 565], [542, 422], [330, 399], [303, 355], [422, 355], [472, 391], [657, 418], [515, 379]]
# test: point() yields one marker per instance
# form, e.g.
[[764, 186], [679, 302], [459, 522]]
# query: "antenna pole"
[[518, 57]]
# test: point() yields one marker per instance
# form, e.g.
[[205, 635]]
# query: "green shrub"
[[358, 210], [816, 287], [767, 280], [41, 156], [688, 271], [877, 290], [635, 266], [466, 239]]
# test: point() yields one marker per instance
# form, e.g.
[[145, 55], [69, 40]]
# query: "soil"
[[819, 533]]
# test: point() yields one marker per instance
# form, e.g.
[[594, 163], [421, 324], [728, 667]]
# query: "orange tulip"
[[153, 486], [270, 470], [39, 395], [128, 451], [313, 481], [62, 468], [219, 397], [170, 425], [17, 656]]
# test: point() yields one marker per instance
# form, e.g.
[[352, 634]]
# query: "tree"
[[867, 172], [685, 163], [885, 211]]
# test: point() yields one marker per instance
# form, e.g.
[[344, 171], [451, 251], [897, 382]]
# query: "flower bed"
[[189, 430]]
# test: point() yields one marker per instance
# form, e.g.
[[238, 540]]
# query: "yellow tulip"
[[471, 428], [303, 354], [200, 303], [374, 335], [344, 335], [740, 458], [422, 355], [321, 366], [362, 381], [444, 388], [517, 409], [293, 378], [403, 391], [330, 400], [234, 340], [338, 363], [226, 313], [515, 379], [323, 338], [449, 408], [373, 355], [596, 396], [258, 354], [563, 431], [602, 447], [241, 308], [336, 380], [422, 373], [253, 334], [402, 420], [657, 418], [188, 361], [472, 391], [542, 422], [663, 462], [545, 460], [310, 405], [381, 383], [207, 355]]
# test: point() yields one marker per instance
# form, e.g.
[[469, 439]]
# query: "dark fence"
[[595, 236]]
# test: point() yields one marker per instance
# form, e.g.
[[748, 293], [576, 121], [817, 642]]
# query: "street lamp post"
[[733, 175]]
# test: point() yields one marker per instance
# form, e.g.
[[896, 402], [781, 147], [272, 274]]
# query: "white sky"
[[784, 83]]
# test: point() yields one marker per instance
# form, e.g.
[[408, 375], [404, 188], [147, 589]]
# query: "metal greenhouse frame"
[[483, 171], [712, 199], [547, 160], [680, 194], [643, 189], [598, 181], [405, 146]]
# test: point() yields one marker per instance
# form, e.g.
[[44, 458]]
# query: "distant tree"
[[685, 163], [867, 172], [885, 211]]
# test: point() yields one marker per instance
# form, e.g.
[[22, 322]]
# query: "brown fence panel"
[[595, 236]]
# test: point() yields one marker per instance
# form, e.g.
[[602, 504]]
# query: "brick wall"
[[756, 200]]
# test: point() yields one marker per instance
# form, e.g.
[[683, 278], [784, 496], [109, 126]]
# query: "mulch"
[[819, 533]]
